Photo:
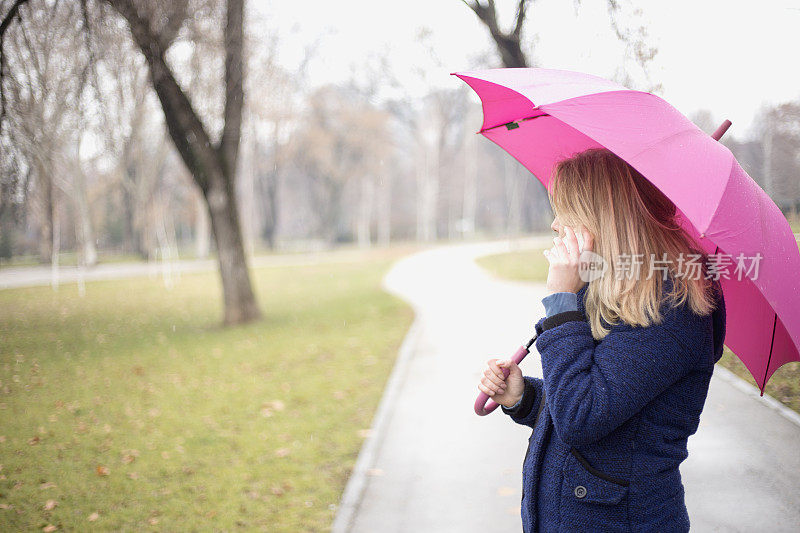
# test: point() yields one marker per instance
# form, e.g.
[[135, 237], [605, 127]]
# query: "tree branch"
[[8, 19], [234, 92], [523, 4], [508, 44], [186, 129], [4, 25]]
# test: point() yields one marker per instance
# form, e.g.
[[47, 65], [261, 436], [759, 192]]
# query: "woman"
[[626, 358]]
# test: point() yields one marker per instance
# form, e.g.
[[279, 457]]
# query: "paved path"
[[28, 276], [433, 465]]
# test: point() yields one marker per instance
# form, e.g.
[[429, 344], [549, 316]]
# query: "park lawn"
[[131, 409], [531, 265]]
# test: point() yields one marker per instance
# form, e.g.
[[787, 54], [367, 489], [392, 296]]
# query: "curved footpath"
[[432, 465]]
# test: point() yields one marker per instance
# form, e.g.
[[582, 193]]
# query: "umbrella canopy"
[[541, 116]]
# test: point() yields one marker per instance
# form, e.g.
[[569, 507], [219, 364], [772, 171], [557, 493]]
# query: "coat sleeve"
[[593, 388], [527, 410]]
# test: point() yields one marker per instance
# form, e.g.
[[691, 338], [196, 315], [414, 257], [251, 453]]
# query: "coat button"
[[580, 491]]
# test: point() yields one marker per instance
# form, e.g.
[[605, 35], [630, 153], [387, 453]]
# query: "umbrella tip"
[[717, 135]]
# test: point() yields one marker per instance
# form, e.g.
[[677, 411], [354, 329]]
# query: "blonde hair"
[[626, 214]]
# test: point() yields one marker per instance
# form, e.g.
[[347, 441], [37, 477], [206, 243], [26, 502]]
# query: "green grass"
[[132, 403], [531, 265]]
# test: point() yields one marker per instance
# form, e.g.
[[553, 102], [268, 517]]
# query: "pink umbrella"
[[541, 116]]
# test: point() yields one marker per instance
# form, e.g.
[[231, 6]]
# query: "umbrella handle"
[[481, 407]]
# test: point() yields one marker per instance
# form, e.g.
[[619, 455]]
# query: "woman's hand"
[[564, 258], [505, 391]]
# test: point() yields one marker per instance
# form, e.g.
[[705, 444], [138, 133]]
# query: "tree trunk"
[[512, 183], [470, 203], [47, 218], [385, 208], [246, 194], [364, 219], [269, 228], [213, 166], [331, 212], [202, 231], [240, 305], [766, 168], [83, 217], [508, 43], [130, 239], [427, 192], [267, 186]]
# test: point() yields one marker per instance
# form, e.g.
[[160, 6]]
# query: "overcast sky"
[[728, 56]]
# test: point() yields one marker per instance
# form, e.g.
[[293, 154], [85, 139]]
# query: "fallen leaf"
[[50, 505], [47, 485], [505, 491], [33, 440], [277, 405], [102, 470], [48, 528], [94, 516]]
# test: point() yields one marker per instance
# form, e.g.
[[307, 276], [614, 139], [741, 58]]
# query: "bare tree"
[[341, 142], [270, 123], [213, 165], [509, 43], [153, 26], [44, 77], [779, 130]]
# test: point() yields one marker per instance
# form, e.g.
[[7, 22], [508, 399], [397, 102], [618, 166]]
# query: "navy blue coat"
[[611, 420]]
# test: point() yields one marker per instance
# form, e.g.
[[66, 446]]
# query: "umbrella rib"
[[771, 343]]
